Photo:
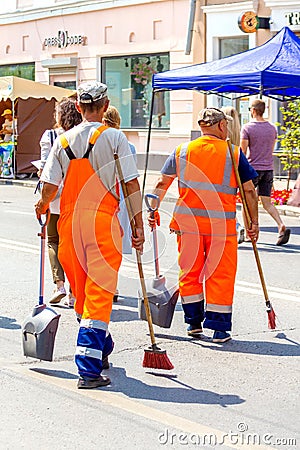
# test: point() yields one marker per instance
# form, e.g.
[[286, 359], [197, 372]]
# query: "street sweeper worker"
[[204, 221], [90, 242]]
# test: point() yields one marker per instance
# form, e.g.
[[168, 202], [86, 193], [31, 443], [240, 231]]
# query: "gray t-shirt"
[[101, 156], [261, 137]]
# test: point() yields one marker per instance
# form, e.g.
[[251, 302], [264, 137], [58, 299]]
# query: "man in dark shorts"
[[258, 139]]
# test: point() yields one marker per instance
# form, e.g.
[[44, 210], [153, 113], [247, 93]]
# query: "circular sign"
[[248, 22]]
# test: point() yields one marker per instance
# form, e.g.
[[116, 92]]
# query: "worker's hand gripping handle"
[[44, 224], [152, 202]]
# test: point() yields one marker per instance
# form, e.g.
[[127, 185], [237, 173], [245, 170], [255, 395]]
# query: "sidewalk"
[[171, 194]]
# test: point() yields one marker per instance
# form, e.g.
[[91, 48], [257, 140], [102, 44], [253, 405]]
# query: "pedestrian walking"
[[66, 116], [234, 134], [89, 230], [204, 220], [258, 138]]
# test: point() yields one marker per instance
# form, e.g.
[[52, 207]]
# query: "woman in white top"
[[67, 117]]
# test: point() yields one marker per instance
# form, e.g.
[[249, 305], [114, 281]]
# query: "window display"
[[129, 80]]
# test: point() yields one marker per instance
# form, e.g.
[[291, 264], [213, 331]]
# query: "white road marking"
[[19, 243], [26, 213], [131, 271], [19, 246]]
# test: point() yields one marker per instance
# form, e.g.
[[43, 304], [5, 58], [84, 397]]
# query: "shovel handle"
[[152, 197], [45, 223]]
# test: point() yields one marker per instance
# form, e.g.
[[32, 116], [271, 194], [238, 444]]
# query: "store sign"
[[292, 18], [248, 22], [63, 40]]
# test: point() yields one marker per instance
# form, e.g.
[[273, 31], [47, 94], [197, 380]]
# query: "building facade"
[[122, 43]]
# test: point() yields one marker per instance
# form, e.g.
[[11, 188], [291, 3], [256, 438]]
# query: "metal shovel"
[[39, 329], [162, 295]]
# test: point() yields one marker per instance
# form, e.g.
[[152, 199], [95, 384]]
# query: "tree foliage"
[[290, 137]]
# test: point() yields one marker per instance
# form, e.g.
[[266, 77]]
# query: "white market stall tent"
[[32, 105]]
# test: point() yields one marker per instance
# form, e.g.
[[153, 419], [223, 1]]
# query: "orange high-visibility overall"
[[90, 246], [204, 219]]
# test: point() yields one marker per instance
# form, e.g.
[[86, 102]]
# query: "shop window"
[[19, 70], [66, 84], [129, 81], [231, 46]]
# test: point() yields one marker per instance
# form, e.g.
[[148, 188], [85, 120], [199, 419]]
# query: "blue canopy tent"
[[272, 70]]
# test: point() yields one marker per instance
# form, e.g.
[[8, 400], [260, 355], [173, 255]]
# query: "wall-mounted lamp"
[[126, 62]]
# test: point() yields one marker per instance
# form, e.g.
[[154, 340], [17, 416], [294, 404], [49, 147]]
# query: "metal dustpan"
[[39, 329], [162, 295]]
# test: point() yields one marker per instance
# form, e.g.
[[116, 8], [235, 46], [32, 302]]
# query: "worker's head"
[[112, 117], [7, 114], [92, 97], [214, 121], [257, 107]]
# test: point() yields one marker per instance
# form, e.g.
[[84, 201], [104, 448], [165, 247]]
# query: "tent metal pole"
[[148, 142]]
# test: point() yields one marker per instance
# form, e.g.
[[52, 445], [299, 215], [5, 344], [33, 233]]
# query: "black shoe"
[[92, 383], [194, 331], [105, 363], [221, 336]]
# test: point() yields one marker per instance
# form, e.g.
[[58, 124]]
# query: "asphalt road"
[[242, 393]]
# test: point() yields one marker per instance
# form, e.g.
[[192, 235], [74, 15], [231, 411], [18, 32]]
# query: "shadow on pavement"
[[273, 348], [9, 323], [264, 247], [55, 373], [124, 315], [180, 393]]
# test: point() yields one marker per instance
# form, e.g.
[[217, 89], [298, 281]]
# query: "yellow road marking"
[[138, 409]]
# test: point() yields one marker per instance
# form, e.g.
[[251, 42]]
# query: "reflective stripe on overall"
[[204, 216], [90, 252]]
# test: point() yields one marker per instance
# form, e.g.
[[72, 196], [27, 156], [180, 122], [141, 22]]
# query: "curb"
[[283, 209]]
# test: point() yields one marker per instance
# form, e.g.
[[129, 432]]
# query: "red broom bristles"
[[154, 358], [271, 317]]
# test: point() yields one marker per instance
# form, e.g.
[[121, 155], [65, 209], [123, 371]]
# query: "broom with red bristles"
[[269, 308], [154, 357]]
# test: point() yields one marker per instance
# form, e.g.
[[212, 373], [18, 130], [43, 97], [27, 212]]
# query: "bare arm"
[[252, 203], [48, 193], [162, 184], [244, 145], [134, 193]]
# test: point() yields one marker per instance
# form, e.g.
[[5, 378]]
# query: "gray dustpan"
[[39, 329], [162, 296]]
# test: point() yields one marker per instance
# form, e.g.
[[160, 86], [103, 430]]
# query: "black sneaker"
[[105, 363], [194, 331], [92, 383], [221, 336]]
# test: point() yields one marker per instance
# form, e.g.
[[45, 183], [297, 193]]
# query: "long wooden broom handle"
[[138, 255], [248, 220]]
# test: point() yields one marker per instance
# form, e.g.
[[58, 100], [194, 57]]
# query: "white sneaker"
[[57, 295], [70, 302]]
